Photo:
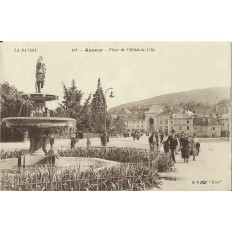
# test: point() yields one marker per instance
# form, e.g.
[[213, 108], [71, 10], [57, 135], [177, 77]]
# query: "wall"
[[207, 130]]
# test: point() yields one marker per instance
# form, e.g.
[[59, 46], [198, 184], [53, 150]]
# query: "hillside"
[[209, 96]]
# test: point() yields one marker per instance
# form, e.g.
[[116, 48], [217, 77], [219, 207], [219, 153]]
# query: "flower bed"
[[122, 155], [120, 177]]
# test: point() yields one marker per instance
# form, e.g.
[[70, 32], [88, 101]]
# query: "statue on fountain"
[[40, 75]]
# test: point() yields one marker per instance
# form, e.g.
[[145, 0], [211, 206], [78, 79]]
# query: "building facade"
[[158, 118], [207, 127]]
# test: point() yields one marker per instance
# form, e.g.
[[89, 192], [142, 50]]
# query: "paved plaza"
[[210, 171]]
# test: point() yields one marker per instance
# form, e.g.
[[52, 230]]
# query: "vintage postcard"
[[115, 116]]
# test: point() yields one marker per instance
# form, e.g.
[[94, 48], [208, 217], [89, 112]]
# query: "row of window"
[[135, 126], [133, 122], [180, 122], [181, 128]]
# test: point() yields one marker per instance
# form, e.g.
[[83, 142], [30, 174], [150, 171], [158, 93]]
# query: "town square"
[[111, 135]]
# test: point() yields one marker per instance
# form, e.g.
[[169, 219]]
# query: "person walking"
[[193, 143], [173, 143], [197, 144], [151, 142], [88, 143], [73, 141], [157, 137], [184, 144], [165, 143], [52, 140]]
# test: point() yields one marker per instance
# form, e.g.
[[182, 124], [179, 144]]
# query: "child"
[[73, 142], [52, 140]]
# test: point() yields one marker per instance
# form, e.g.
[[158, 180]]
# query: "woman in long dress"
[[184, 144]]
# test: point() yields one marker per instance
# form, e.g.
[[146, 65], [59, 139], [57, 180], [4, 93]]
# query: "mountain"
[[209, 96]]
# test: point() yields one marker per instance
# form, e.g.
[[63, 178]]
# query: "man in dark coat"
[[173, 143], [157, 140], [151, 142]]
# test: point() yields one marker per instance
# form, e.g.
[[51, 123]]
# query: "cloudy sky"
[[172, 67]]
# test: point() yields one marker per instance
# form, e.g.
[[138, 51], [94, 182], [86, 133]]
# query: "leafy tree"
[[98, 108], [72, 100], [119, 125], [12, 105]]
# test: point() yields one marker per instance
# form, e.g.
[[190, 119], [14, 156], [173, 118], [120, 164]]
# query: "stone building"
[[182, 121], [135, 121], [151, 123], [224, 121], [207, 127], [163, 119]]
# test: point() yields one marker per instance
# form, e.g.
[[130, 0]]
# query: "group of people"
[[136, 135], [174, 143]]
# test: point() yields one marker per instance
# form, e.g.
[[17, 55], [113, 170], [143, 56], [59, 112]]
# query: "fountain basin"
[[39, 97], [39, 129], [39, 122]]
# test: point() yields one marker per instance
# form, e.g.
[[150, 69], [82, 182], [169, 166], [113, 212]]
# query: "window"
[[187, 127], [213, 128], [142, 126], [187, 121], [166, 121], [179, 127], [171, 122], [160, 121]]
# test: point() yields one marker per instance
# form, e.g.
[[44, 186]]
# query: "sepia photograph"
[[115, 116]]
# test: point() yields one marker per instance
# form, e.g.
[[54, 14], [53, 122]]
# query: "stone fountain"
[[39, 125]]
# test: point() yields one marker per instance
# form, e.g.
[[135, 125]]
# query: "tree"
[[85, 116], [72, 100], [119, 125], [98, 108], [71, 104], [12, 105]]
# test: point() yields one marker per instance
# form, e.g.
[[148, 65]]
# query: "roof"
[[123, 111], [206, 121], [136, 116]]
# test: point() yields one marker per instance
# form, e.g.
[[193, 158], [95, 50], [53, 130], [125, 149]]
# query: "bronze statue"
[[40, 75]]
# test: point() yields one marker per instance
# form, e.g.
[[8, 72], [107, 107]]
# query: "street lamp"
[[105, 129]]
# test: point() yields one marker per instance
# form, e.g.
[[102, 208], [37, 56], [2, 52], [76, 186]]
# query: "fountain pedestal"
[[38, 141]]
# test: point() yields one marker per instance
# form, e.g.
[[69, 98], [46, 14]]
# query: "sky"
[[134, 75]]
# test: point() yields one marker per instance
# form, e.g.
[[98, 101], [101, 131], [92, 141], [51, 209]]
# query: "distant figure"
[[40, 74], [197, 145], [52, 140], [88, 143], [73, 141], [151, 142], [46, 112], [133, 135]]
